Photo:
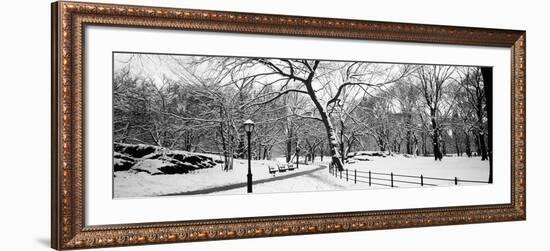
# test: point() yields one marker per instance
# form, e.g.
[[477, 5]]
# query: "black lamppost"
[[248, 128]]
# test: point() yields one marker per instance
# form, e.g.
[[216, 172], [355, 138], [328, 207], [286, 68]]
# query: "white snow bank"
[[141, 184]]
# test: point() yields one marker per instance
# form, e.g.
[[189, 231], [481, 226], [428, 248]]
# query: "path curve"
[[244, 184]]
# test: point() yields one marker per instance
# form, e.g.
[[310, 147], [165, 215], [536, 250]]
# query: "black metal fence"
[[392, 179]]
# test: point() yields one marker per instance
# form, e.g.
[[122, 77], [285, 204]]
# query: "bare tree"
[[302, 77], [432, 81], [473, 85]]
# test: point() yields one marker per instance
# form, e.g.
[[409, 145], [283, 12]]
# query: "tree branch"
[[279, 94]]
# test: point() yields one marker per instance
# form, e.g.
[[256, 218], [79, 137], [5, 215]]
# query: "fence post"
[[369, 178], [421, 180], [456, 181], [346, 175], [355, 176], [391, 175]]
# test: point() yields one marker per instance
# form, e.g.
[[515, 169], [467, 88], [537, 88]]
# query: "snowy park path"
[[309, 178], [310, 173], [316, 180]]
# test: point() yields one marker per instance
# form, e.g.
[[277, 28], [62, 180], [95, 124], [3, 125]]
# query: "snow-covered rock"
[[135, 150], [157, 160], [122, 162], [368, 153], [362, 158], [151, 166]]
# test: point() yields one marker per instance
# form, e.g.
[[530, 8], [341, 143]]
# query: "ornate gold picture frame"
[[69, 228]]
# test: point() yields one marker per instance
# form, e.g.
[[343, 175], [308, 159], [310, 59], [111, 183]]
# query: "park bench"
[[290, 167], [272, 170], [282, 167]]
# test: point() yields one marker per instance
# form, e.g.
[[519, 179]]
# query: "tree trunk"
[[331, 135], [478, 146], [424, 144], [399, 145], [482, 147], [435, 137], [227, 165], [480, 132], [468, 144], [259, 152], [457, 146], [333, 146], [415, 142], [381, 145], [289, 145], [350, 146], [241, 149], [387, 144], [342, 150], [265, 152], [409, 143], [487, 74]]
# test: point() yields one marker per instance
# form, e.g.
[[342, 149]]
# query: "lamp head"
[[249, 125]]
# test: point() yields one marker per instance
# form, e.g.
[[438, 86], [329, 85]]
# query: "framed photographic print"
[[176, 125]]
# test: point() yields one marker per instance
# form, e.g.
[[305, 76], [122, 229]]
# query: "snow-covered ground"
[[141, 184], [450, 167], [314, 177], [319, 180], [463, 168]]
